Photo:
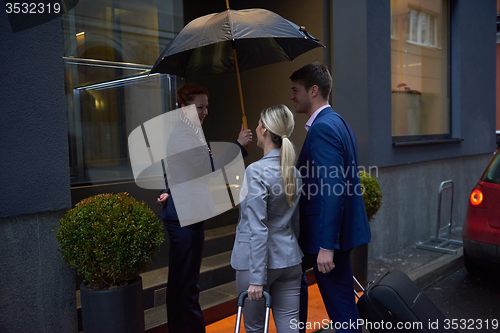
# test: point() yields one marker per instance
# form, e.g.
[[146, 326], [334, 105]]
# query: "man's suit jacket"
[[267, 231], [332, 212]]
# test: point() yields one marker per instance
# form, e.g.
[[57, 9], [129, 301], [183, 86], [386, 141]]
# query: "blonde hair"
[[279, 121]]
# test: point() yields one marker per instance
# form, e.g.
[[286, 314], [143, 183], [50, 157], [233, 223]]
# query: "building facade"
[[415, 79]]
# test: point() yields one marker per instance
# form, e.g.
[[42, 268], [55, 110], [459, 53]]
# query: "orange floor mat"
[[316, 314]]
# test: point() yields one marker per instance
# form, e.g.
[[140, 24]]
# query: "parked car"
[[481, 231]]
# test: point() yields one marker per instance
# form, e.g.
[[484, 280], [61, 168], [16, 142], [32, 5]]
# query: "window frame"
[[426, 139]]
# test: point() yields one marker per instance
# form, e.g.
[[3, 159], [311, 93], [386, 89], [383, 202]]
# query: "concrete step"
[[215, 266], [217, 303], [219, 240], [215, 225], [227, 218], [215, 270]]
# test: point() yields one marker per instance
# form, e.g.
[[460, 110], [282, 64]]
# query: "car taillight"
[[476, 197]]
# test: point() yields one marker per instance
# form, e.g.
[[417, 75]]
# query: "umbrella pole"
[[243, 116]]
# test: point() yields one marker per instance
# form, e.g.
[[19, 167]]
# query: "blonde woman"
[[266, 254]]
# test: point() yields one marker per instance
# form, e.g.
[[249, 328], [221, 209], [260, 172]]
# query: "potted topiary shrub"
[[372, 194], [372, 198], [109, 239]]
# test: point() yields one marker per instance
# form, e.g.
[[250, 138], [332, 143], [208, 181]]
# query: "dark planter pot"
[[359, 262], [118, 310]]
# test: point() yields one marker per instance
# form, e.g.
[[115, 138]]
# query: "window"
[[109, 47], [492, 173], [394, 24], [422, 28], [419, 70]]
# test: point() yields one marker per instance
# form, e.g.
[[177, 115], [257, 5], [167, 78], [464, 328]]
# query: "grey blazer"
[[268, 228]]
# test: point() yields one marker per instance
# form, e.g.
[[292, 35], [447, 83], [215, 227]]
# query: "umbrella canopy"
[[259, 36]]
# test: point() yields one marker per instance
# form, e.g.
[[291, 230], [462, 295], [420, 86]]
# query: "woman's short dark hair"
[[314, 74]]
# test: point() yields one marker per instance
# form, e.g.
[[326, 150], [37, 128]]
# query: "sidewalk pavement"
[[424, 267]]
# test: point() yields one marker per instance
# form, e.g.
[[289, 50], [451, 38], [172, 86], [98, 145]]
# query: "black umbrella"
[[234, 41]]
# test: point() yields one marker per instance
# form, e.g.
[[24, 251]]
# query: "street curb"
[[438, 269]]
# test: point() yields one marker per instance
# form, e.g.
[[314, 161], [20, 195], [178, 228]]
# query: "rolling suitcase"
[[394, 303], [241, 302]]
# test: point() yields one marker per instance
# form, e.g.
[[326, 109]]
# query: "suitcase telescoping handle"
[[241, 302], [359, 284]]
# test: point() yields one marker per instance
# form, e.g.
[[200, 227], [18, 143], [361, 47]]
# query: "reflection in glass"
[[419, 68], [109, 47]]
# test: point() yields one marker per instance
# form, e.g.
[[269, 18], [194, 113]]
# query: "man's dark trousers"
[[336, 288]]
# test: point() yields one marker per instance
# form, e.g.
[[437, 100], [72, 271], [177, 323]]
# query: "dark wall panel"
[[33, 130]]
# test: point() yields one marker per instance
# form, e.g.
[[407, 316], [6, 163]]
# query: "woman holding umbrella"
[[186, 243], [266, 253]]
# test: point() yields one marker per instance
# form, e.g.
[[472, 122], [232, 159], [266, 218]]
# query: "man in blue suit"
[[332, 213]]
